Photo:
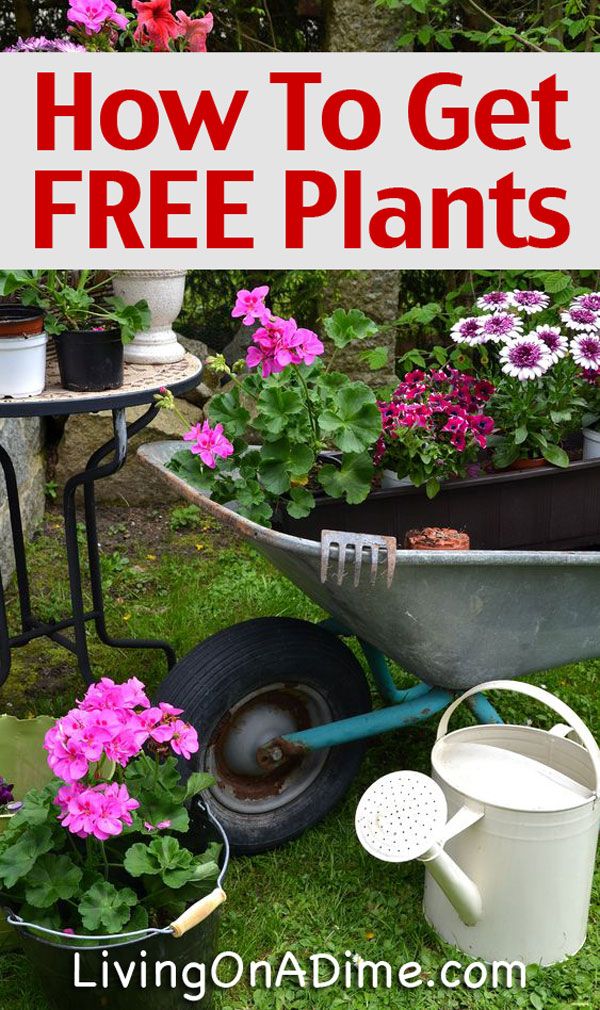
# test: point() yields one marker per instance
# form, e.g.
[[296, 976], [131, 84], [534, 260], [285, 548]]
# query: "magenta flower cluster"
[[208, 443], [446, 403], [277, 342], [93, 15], [113, 722]]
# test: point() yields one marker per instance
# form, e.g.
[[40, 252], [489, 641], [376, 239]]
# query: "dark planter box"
[[544, 509]]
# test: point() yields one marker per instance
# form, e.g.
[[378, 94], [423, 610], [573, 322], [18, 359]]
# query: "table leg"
[[12, 494], [118, 445]]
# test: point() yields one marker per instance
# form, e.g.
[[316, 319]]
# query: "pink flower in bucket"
[[251, 305]]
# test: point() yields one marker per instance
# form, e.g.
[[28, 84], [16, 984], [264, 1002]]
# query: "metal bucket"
[[532, 797], [190, 940]]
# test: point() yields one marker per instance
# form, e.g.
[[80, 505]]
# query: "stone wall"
[[23, 440]]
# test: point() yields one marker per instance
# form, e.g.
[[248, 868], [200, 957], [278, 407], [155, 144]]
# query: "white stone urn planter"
[[164, 291]]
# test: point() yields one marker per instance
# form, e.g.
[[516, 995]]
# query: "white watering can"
[[509, 876]]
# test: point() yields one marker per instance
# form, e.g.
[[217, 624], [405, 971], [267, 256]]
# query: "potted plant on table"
[[22, 351], [111, 845], [88, 323]]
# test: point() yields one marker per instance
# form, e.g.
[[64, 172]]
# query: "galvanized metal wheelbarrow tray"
[[453, 619]]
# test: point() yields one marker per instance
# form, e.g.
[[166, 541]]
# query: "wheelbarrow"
[[283, 706]]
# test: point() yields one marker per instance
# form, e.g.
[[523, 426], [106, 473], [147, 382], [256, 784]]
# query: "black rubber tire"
[[225, 668]]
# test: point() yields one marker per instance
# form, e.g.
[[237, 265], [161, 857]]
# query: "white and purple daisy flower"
[[468, 331], [578, 317], [493, 301], [525, 357], [585, 349], [589, 301], [555, 341], [500, 326], [529, 301]]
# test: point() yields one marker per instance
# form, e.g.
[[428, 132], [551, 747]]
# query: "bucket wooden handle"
[[558, 706], [198, 912]]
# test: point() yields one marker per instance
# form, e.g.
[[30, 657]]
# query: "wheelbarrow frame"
[[402, 707]]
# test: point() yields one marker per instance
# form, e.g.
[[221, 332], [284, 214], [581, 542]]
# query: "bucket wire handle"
[[560, 707]]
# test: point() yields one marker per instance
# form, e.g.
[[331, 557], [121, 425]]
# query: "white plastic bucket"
[[591, 444], [531, 853], [23, 365]]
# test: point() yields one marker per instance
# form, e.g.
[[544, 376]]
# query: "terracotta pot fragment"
[[434, 538]]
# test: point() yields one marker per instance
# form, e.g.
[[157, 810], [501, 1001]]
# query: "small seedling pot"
[[90, 361]]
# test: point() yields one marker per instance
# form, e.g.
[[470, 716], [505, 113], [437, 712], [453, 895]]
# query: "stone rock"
[[237, 347], [22, 438], [377, 294], [355, 26], [134, 484]]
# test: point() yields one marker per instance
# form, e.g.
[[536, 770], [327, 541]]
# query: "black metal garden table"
[[141, 384]]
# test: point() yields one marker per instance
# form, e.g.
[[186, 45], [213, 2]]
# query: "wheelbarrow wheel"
[[250, 684]]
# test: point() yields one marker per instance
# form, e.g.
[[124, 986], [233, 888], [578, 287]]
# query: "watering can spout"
[[460, 890]]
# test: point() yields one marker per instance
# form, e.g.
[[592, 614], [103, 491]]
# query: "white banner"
[[336, 161]]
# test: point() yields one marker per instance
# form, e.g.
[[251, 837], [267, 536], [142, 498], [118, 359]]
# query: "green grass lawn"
[[173, 574]]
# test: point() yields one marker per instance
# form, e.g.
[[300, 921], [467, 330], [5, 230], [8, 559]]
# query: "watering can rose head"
[[285, 396]]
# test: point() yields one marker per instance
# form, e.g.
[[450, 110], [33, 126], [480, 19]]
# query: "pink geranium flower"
[[156, 23], [251, 304], [102, 811], [195, 30], [93, 15], [209, 443], [184, 740]]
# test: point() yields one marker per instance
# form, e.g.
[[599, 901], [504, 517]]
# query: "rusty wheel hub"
[[255, 770]]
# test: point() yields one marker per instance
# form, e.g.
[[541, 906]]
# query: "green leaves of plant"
[[164, 857], [275, 406], [53, 878], [226, 409], [344, 326], [160, 792], [353, 421], [281, 461], [351, 481], [19, 859], [555, 455], [301, 503], [131, 318], [174, 865], [106, 906]]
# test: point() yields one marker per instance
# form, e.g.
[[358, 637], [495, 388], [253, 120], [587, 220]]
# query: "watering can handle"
[[558, 706]]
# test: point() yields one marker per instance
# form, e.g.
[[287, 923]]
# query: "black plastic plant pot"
[[548, 508], [54, 962], [90, 361]]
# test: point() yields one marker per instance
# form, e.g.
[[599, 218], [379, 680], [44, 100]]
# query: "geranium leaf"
[[353, 420], [275, 407], [281, 461], [52, 879], [164, 857], [19, 859], [344, 326], [226, 409], [106, 906], [197, 782], [301, 503], [351, 481]]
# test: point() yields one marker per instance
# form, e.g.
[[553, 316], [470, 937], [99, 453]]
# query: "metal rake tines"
[[361, 544]]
